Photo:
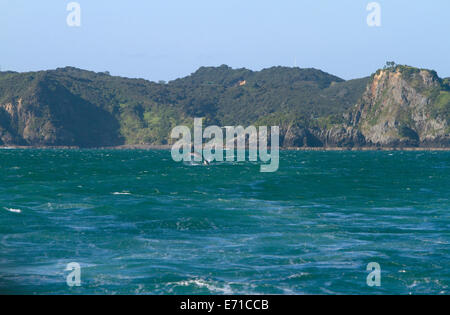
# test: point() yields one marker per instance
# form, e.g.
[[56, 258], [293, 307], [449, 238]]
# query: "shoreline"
[[168, 147]]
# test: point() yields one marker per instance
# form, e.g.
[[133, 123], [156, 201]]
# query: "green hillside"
[[70, 106]]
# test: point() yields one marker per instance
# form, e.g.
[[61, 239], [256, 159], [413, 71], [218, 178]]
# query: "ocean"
[[136, 222]]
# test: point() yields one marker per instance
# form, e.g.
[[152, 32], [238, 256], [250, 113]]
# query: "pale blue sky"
[[166, 39]]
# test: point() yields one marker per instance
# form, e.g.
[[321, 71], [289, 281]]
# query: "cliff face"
[[404, 106], [401, 107], [44, 113]]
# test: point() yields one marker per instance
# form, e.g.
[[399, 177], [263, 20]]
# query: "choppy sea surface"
[[138, 223]]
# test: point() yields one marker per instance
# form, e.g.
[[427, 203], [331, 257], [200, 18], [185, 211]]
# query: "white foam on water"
[[122, 193], [13, 210], [211, 286]]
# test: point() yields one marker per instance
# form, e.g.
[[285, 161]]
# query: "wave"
[[213, 287], [13, 210]]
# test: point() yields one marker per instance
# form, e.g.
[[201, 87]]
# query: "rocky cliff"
[[404, 106], [42, 112], [401, 107]]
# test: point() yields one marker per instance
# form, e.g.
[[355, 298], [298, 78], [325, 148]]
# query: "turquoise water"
[[137, 222]]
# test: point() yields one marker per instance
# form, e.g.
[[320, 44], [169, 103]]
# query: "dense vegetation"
[[70, 106]]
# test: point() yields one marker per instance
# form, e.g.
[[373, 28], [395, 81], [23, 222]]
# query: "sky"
[[167, 39]]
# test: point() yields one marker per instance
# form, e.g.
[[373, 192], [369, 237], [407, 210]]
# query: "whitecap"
[[209, 285], [122, 193], [13, 210]]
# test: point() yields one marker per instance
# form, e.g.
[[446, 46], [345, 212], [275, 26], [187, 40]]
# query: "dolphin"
[[197, 155]]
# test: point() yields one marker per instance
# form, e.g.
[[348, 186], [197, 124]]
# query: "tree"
[[390, 65]]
